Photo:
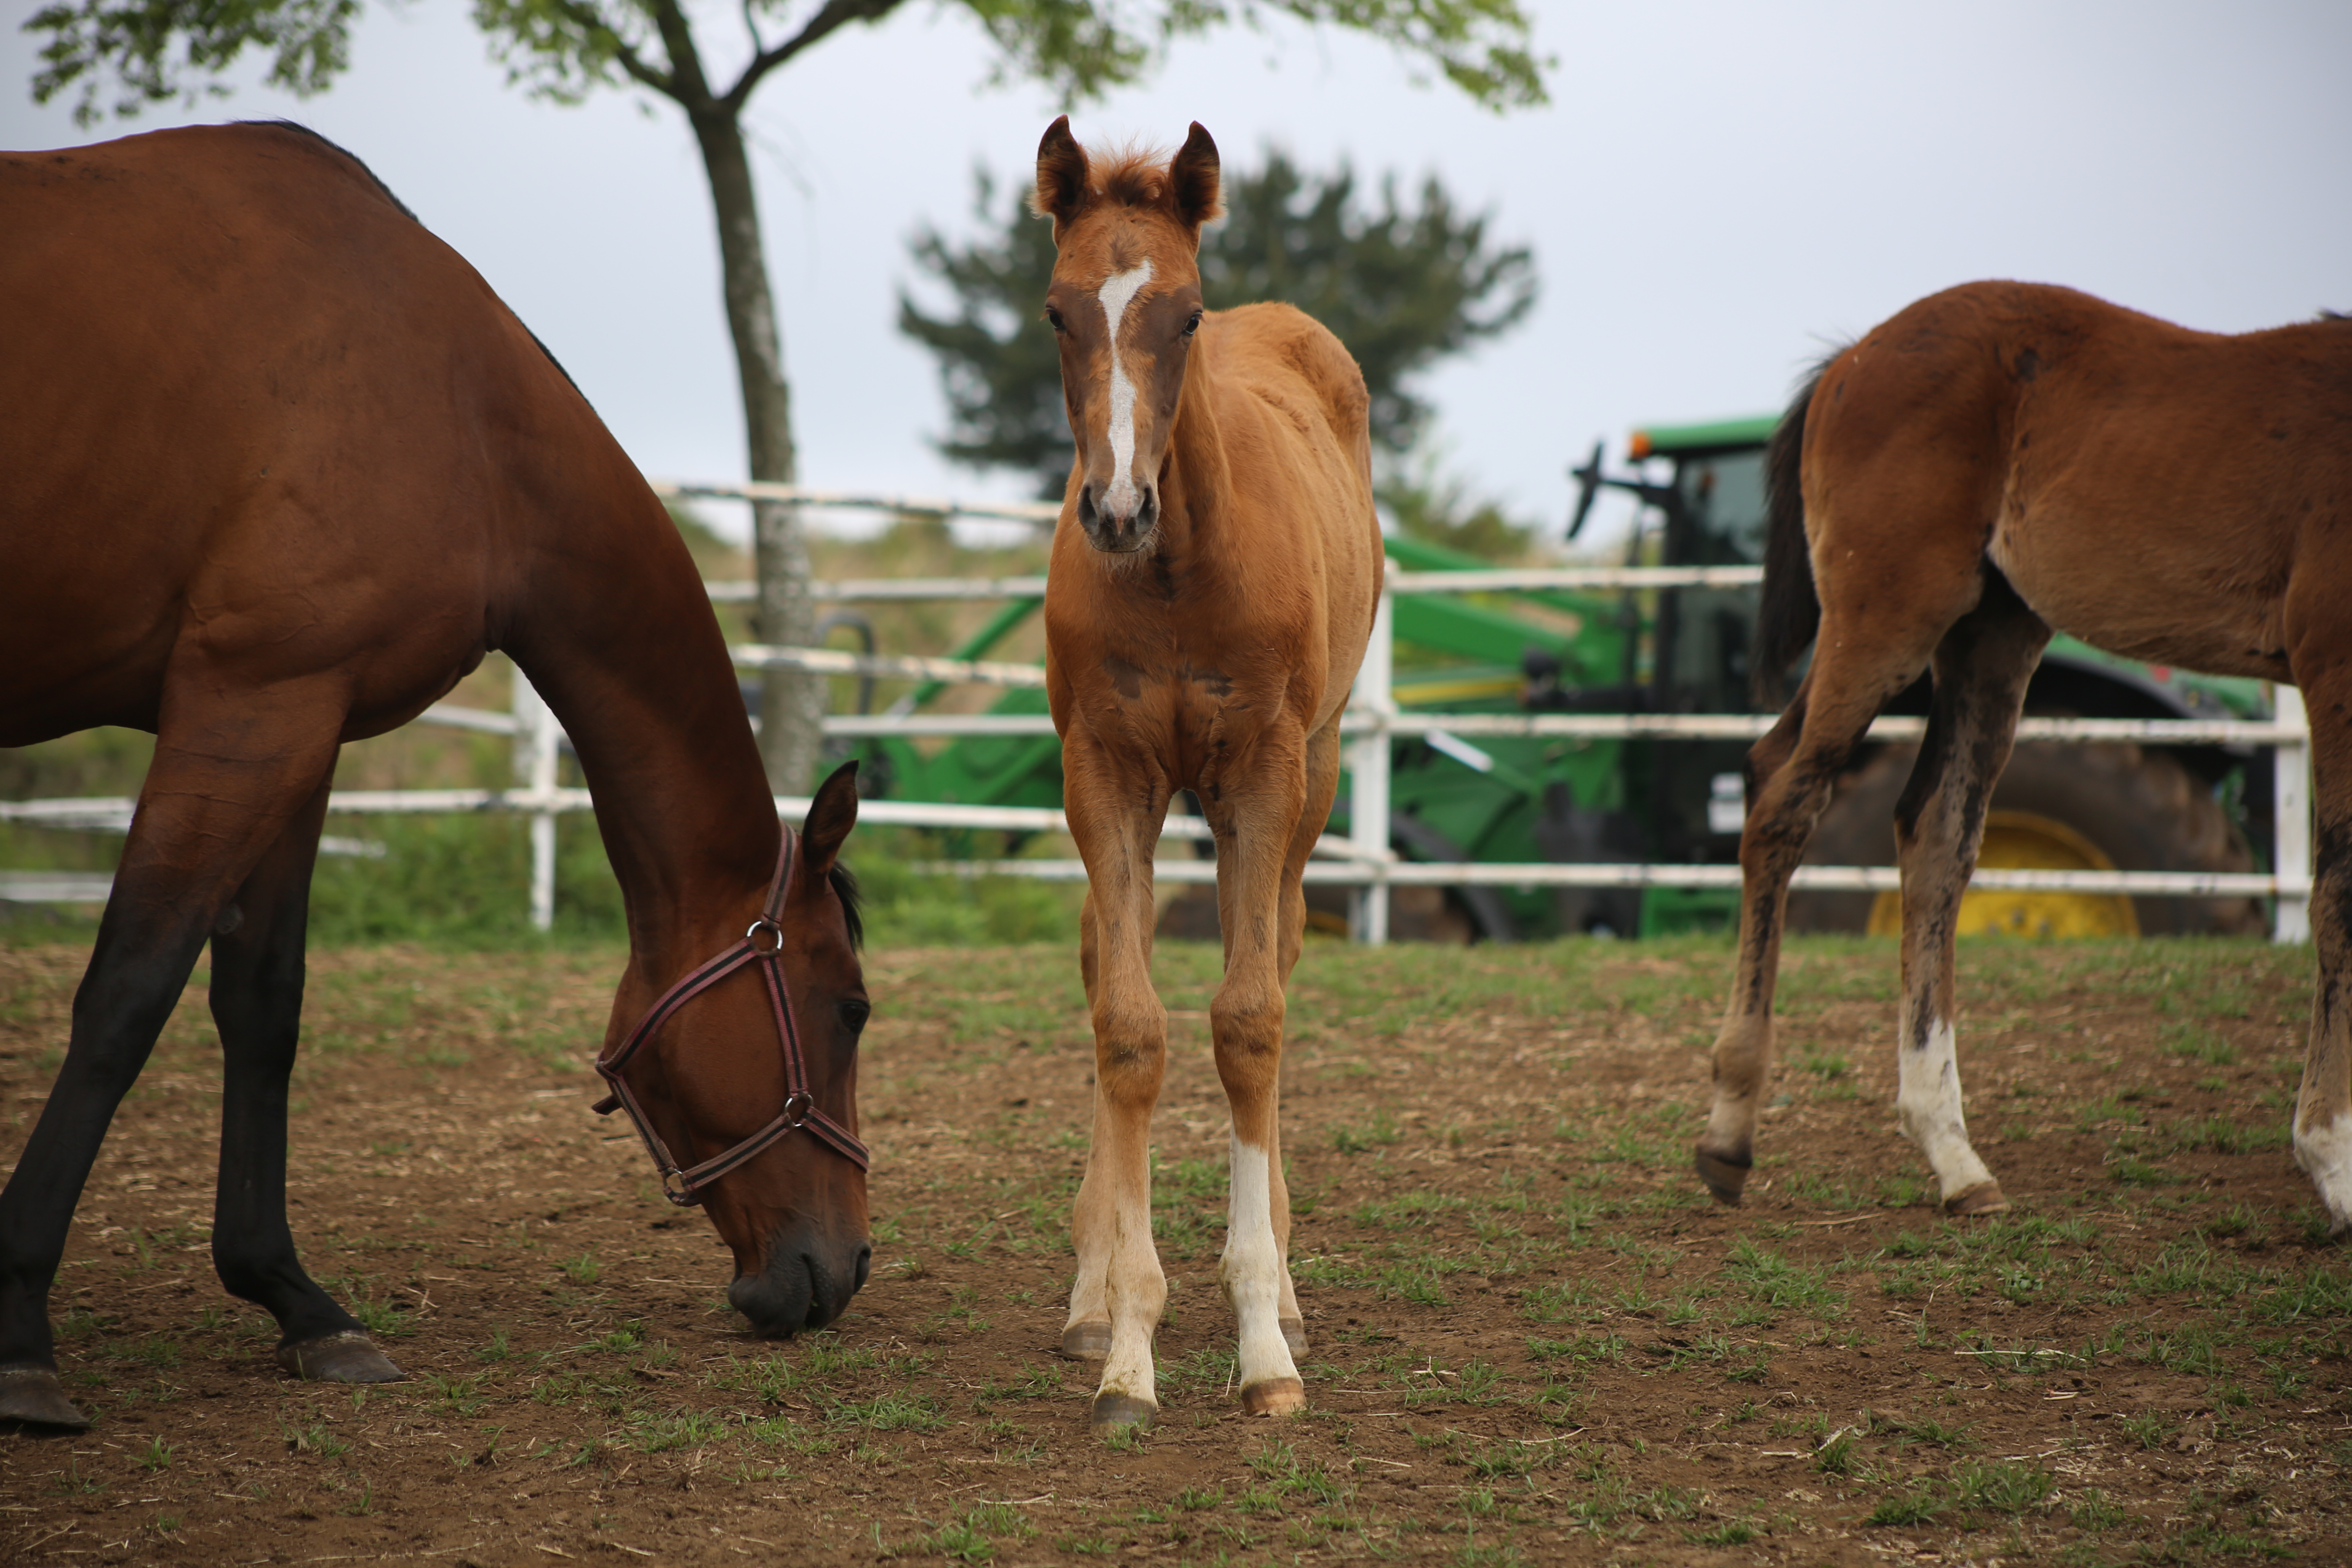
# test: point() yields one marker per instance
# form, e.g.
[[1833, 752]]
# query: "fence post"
[[536, 755], [1368, 785], [2291, 817]]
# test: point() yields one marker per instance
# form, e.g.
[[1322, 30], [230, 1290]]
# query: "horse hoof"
[[34, 1396], [1121, 1412], [1275, 1397], [1086, 1341], [1984, 1198], [350, 1357], [1294, 1334], [1723, 1175]]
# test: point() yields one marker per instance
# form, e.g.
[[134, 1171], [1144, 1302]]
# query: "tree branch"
[[834, 15], [584, 17]]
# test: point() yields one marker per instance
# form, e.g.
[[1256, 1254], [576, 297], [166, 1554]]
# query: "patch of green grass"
[[583, 1269], [1916, 1505], [2000, 1487], [1377, 1133], [891, 1412], [315, 1438]]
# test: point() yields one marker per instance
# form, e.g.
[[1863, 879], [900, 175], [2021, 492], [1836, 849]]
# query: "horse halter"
[[762, 944]]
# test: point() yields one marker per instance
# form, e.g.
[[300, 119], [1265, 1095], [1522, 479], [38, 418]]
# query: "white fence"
[[1364, 860]]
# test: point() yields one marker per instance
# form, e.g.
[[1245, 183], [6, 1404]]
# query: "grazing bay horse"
[[277, 469], [1999, 461], [1214, 575]]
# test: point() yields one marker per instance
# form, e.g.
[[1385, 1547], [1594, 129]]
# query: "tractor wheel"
[[2057, 807]]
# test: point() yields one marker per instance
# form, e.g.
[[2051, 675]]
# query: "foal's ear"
[[1061, 175], [830, 815], [1192, 181]]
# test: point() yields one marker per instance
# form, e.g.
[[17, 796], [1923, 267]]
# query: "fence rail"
[[1364, 860]]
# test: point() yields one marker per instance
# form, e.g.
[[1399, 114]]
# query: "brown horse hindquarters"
[[1208, 605], [1990, 464]]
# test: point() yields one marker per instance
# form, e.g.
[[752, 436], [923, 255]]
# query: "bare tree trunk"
[[792, 711]]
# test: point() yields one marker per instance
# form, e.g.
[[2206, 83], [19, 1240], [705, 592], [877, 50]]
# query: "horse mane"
[[1134, 174], [844, 887], [405, 211], [342, 151]]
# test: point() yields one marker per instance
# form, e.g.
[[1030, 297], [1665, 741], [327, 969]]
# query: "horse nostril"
[[865, 1265]]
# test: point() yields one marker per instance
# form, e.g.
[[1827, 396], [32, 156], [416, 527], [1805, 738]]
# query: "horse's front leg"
[[2323, 1110], [258, 943], [1982, 669], [226, 779], [1256, 820], [1115, 808]]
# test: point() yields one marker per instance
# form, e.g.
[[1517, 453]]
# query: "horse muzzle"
[[1121, 522], [806, 1282]]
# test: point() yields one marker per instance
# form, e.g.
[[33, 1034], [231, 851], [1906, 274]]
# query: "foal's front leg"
[[1120, 1293], [1256, 830]]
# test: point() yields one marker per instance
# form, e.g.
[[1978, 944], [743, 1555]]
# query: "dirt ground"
[[1534, 1340]]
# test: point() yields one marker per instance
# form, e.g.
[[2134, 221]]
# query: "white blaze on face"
[[1928, 1098], [1118, 292], [1252, 1267]]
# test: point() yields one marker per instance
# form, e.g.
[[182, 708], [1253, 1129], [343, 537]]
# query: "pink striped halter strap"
[[762, 944]]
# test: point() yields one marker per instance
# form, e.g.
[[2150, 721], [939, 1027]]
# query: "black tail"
[[1792, 612]]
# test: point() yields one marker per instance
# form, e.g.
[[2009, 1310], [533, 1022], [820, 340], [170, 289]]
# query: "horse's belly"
[[2165, 601]]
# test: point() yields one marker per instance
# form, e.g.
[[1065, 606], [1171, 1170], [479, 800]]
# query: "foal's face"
[[1124, 304]]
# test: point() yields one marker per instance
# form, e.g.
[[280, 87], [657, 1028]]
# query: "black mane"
[[844, 887], [300, 130], [405, 211]]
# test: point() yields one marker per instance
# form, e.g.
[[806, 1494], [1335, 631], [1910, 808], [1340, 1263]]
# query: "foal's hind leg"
[[222, 789], [257, 1000], [1981, 667], [2323, 1112]]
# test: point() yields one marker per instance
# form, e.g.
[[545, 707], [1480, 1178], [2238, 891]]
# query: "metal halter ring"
[[797, 1107], [763, 923]]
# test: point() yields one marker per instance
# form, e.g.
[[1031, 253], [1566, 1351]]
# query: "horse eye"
[[1192, 325], [854, 1014], [1052, 318]]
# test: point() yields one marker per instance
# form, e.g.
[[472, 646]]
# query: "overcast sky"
[[1716, 191]]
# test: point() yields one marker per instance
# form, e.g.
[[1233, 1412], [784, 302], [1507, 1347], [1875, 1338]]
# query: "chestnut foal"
[[1214, 575], [1999, 461]]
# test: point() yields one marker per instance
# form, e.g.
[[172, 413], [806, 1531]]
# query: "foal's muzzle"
[[806, 1283], [1113, 533]]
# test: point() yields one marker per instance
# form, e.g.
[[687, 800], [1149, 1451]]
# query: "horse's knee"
[[1246, 1024]]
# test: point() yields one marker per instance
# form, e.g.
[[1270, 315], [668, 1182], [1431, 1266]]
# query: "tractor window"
[[1725, 495]]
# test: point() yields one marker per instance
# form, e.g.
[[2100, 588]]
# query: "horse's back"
[[2115, 466], [253, 408]]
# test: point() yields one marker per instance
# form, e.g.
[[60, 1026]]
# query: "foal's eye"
[[853, 1014], [1054, 318], [1194, 325]]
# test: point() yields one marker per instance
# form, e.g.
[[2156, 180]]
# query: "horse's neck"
[[1200, 507], [619, 639]]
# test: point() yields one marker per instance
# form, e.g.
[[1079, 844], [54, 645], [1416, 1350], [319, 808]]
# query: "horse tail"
[[1791, 611]]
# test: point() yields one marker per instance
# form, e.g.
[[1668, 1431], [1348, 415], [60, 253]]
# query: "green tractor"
[[2058, 806]]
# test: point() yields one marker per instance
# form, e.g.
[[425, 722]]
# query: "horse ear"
[[1194, 181], [830, 815], [1061, 175]]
